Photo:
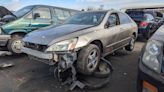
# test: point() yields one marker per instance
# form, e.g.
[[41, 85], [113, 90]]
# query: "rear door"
[[41, 18], [126, 28]]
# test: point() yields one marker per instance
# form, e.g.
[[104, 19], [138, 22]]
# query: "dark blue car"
[[146, 21]]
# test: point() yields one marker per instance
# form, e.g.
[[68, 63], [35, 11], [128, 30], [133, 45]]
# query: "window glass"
[[44, 13], [124, 19], [73, 13], [66, 14], [113, 20], [29, 16], [23, 11], [59, 14], [149, 17], [87, 18]]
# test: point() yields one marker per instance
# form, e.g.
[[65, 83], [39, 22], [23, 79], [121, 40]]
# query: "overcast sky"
[[80, 4]]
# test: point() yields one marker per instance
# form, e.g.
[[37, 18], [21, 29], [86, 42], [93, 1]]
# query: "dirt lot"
[[33, 76]]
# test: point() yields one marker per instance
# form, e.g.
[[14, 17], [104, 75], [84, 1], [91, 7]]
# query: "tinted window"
[[136, 15], [113, 20], [87, 18], [43, 12], [124, 19]]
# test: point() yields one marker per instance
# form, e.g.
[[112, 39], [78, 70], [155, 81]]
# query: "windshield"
[[23, 11], [88, 18]]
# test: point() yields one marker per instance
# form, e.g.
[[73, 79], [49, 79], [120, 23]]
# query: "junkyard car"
[[16, 26], [85, 38], [151, 64], [5, 12], [146, 21]]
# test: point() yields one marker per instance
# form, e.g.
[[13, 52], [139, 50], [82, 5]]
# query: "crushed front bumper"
[[48, 58], [51, 58], [4, 39]]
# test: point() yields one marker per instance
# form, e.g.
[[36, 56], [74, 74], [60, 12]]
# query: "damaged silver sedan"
[[82, 40]]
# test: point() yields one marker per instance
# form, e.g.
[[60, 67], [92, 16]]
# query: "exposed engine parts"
[[66, 73]]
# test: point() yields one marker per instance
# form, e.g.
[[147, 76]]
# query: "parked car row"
[[66, 38], [148, 21]]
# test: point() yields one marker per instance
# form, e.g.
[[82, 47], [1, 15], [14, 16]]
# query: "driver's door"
[[112, 32], [41, 18]]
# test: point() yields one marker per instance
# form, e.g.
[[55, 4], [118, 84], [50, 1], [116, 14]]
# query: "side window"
[[149, 17], [113, 20], [59, 14], [66, 14], [29, 16], [42, 13], [73, 12], [124, 18]]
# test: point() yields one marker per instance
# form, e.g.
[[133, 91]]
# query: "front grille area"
[[37, 47]]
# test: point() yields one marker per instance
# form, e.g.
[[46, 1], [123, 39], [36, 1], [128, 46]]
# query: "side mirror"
[[36, 15], [107, 25]]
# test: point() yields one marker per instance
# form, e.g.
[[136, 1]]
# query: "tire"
[[86, 62], [13, 44], [147, 36], [103, 71], [131, 44]]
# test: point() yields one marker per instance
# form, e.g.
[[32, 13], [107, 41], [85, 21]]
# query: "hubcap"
[[93, 59], [17, 45]]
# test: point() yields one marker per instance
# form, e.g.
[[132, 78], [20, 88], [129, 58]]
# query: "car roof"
[[112, 10], [52, 7]]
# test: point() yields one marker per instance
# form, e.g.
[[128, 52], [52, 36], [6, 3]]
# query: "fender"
[[18, 31]]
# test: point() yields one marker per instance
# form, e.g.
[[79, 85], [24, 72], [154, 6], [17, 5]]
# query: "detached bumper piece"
[[4, 39]]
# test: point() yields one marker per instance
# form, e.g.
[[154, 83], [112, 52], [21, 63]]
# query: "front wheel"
[[88, 59], [15, 44], [131, 44]]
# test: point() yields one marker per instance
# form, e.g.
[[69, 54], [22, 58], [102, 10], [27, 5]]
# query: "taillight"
[[144, 24]]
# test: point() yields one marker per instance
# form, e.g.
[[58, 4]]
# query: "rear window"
[[136, 15]]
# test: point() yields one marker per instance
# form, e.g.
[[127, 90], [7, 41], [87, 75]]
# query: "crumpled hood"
[[45, 36]]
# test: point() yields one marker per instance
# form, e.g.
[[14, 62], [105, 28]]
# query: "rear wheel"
[[88, 59], [15, 44], [131, 44]]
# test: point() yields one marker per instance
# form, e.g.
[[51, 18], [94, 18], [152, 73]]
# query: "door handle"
[[123, 28]]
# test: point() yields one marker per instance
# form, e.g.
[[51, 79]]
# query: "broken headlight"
[[63, 45], [152, 56]]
